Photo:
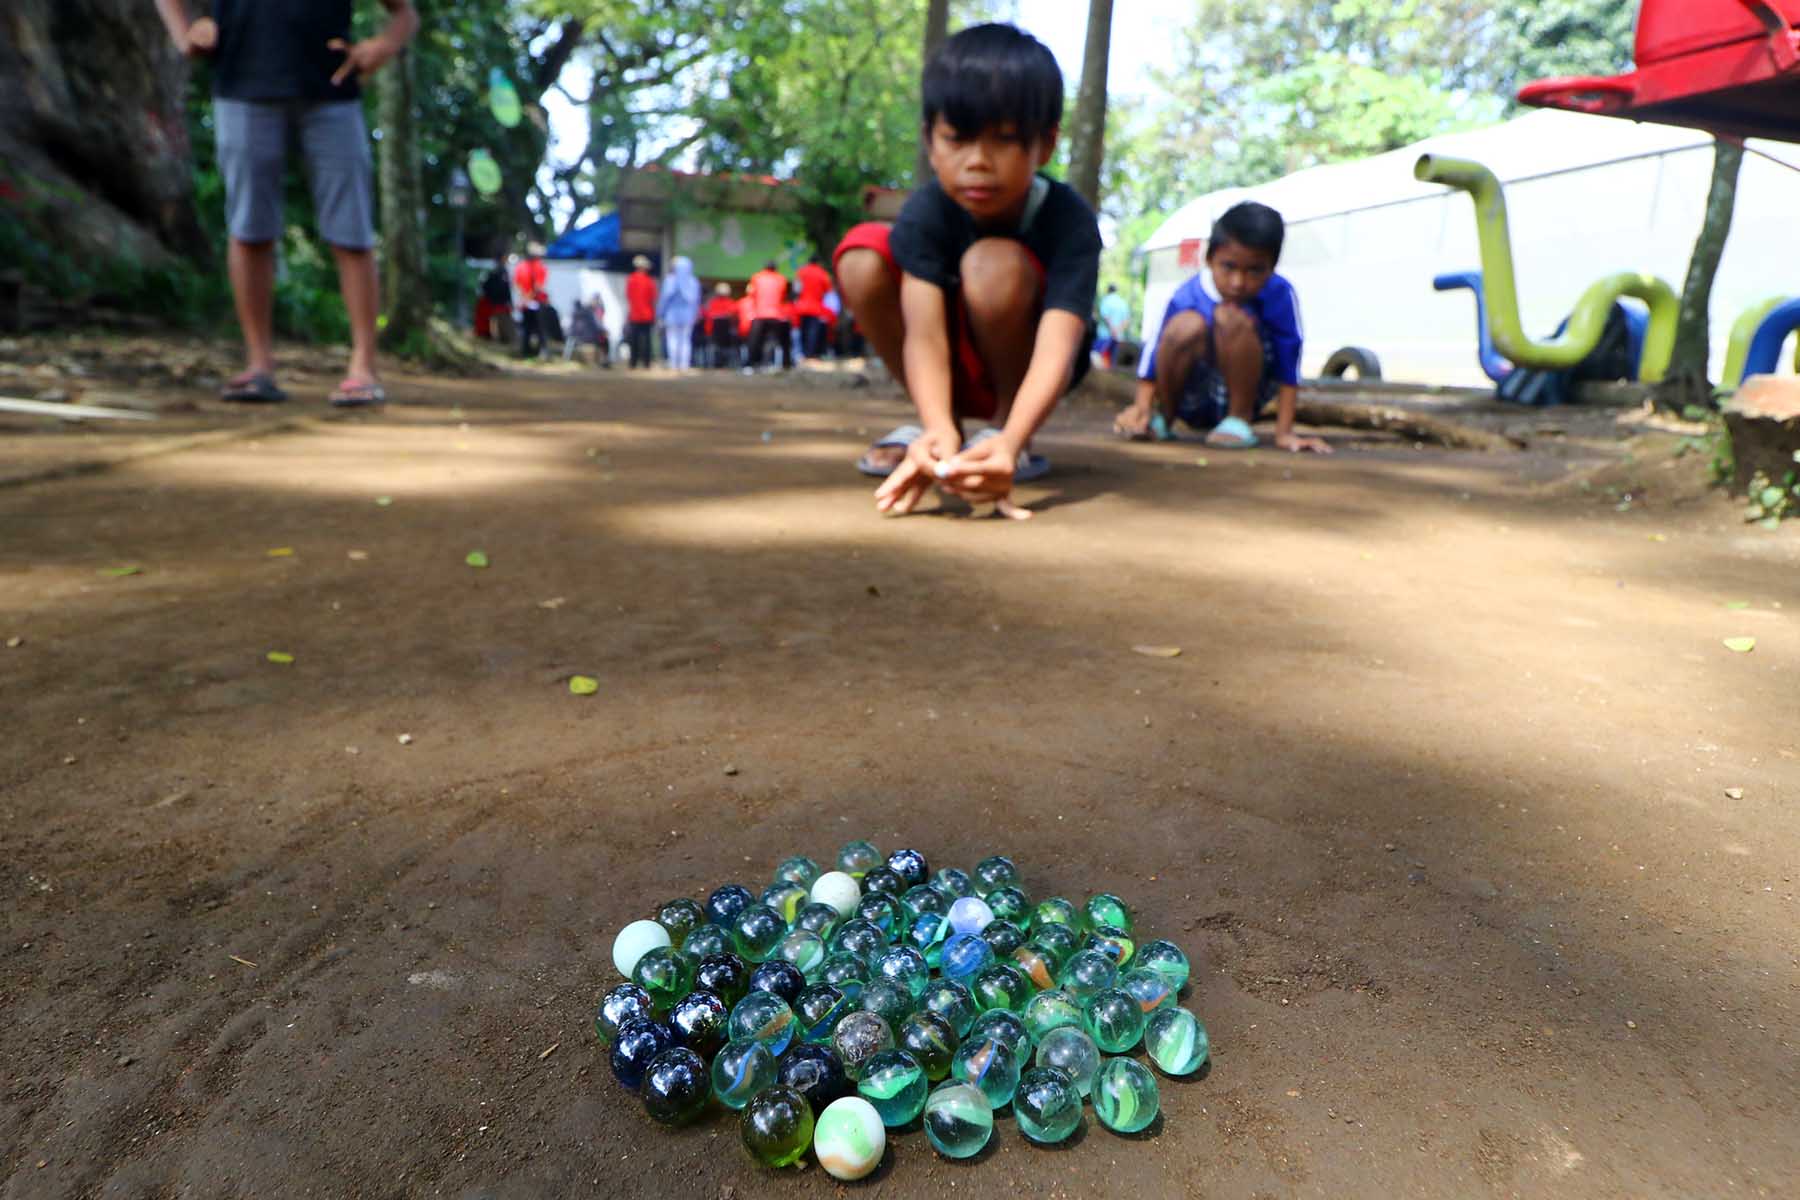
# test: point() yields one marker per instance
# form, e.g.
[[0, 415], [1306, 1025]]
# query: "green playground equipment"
[[1588, 319]]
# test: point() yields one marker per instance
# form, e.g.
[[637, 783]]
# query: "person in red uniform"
[[531, 281], [640, 310], [768, 292], [722, 326], [815, 319], [746, 309]]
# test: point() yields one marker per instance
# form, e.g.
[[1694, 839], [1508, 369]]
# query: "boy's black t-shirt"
[[275, 49], [933, 231]]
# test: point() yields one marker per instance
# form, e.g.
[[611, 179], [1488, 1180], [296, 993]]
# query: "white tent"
[[1587, 196]]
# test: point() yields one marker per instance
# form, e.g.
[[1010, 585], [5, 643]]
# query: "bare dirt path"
[[1484, 845]]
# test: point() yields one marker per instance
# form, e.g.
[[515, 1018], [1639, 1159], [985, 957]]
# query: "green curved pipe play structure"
[[1588, 319]]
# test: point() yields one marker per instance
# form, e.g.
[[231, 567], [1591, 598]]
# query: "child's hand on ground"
[[364, 58], [1132, 422], [984, 471], [202, 37], [1296, 443], [901, 491]]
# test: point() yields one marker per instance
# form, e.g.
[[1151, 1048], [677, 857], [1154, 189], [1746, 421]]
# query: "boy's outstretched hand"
[[202, 37], [901, 491], [1299, 442], [361, 58], [982, 472]]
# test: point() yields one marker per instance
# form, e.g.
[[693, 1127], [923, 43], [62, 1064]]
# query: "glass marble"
[[883, 882], [1104, 908], [1061, 941], [838, 890], [1037, 964], [930, 1039], [895, 1083], [1047, 1105], [924, 899], [1166, 959], [777, 1126], [849, 1138], [818, 1009], [905, 966], [1114, 1020], [995, 872], [666, 974], [970, 914], [725, 903], [1113, 942], [1055, 1009], [1005, 1026], [990, 1066], [724, 975], [953, 883], [883, 912], [1055, 911], [1010, 904], [640, 1040], [756, 931], [676, 1086], [951, 1001], [1072, 1050], [784, 898], [741, 1070], [958, 1119], [707, 940], [965, 956], [780, 976], [1176, 1041], [618, 1006], [1125, 1095], [798, 869], [1087, 972], [1001, 985], [1003, 936], [804, 948], [816, 1072], [886, 999], [910, 866], [636, 940], [680, 916], [859, 1037], [1149, 988], [858, 858], [822, 919], [858, 936], [763, 1017], [926, 935], [843, 966], [698, 1020]]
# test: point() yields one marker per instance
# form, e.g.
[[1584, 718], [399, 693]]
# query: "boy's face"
[[1238, 271], [987, 173]]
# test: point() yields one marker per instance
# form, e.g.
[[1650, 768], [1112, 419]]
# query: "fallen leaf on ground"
[[281, 552], [1735, 793], [583, 685], [246, 962], [1657, 537], [1742, 645], [1158, 651], [476, 559], [121, 572], [357, 555], [1199, 462], [384, 501], [1737, 605], [280, 656], [553, 602]]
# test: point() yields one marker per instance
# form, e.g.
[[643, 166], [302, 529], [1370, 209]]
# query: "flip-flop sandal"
[[1235, 428], [1156, 431], [358, 393], [252, 387], [1031, 466], [902, 438]]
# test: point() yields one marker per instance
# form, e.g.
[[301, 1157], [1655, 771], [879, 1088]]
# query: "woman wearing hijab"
[[679, 309]]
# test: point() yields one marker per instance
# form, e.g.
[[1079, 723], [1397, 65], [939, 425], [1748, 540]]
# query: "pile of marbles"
[[841, 1004]]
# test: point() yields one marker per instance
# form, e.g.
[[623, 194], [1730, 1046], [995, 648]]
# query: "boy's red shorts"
[[972, 391]]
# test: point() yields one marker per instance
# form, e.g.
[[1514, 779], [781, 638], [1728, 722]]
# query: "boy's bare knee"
[[998, 277], [1234, 329], [1182, 332], [862, 275]]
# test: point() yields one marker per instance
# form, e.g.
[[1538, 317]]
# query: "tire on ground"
[[1352, 358]]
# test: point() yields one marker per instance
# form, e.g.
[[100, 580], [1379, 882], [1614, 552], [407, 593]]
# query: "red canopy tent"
[[1730, 67]]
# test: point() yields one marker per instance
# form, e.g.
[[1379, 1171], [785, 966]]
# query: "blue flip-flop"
[[1236, 428], [902, 437]]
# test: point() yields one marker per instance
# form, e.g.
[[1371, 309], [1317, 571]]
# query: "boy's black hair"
[[1250, 225], [988, 75], [769, 266]]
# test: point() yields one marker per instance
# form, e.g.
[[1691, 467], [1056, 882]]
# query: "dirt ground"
[[1482, 842]]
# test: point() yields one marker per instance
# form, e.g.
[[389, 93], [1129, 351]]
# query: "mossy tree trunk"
[[405, 296], [1087, 138], [937, 30], [1687, 382]]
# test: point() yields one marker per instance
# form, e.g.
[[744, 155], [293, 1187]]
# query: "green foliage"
[[1772, 503]]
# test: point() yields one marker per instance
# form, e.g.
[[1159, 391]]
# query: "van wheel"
[[1352, 358]]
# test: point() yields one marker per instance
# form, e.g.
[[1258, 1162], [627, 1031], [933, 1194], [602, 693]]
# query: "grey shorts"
[[252, 138]]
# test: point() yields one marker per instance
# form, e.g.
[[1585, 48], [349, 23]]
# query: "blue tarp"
[[596, 239]]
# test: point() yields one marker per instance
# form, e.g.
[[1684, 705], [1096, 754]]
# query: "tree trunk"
[[405, 295], [937, 31], [1087, 140], [1687, 381], [95, 166]]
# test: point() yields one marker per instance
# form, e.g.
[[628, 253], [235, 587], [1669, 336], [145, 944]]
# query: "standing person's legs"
[[251, 140], [342, 171], [680, 338]]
